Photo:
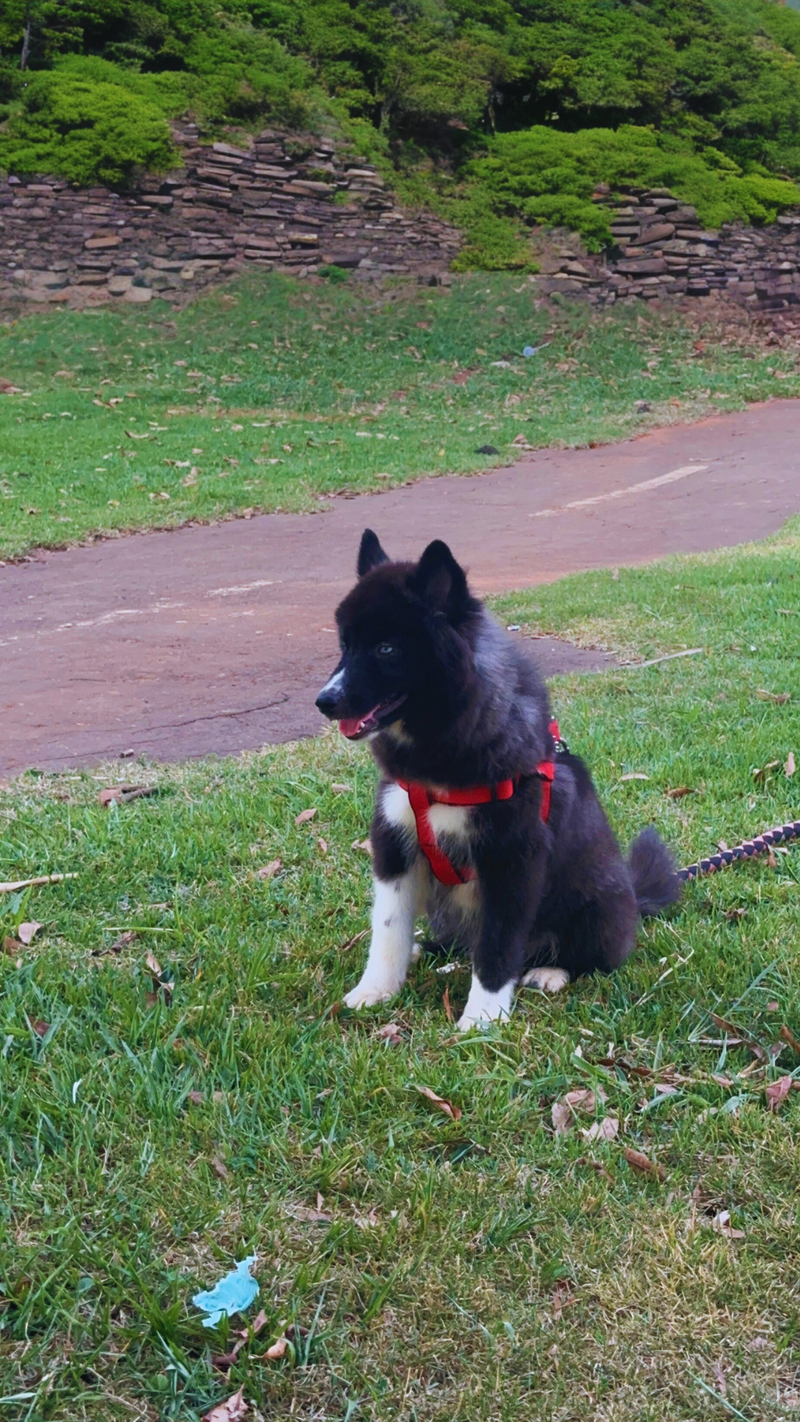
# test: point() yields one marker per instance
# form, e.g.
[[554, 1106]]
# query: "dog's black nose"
[[327, 701]]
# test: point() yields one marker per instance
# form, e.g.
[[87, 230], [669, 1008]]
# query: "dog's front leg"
[[508, 909], [399, 893]]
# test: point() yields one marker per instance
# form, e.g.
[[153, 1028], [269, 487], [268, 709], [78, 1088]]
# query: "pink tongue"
[[350, 725]]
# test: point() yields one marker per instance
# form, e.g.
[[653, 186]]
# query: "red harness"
[[421, 797]]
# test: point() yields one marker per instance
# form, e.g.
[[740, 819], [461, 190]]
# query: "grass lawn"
[[431, 1268], [275, 394]]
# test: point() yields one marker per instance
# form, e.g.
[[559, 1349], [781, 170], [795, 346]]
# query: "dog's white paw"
[[482, 1007], [466, 1023], [369, 992], [545, 979]]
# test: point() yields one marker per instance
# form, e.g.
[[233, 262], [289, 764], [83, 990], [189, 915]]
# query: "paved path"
[[216, 639]]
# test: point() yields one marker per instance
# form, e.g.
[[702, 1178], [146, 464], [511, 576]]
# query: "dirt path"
[[216, 639]]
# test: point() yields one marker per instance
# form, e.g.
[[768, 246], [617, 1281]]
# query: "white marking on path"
[[671, 478], [245, 587], [120, 614]]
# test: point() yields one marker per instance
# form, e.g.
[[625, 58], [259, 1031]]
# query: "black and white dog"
[[482, 819]]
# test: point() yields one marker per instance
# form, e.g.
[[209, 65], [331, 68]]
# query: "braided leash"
[[746, 850]]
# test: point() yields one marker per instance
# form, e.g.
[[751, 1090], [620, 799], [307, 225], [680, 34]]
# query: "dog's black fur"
[[448, 698]]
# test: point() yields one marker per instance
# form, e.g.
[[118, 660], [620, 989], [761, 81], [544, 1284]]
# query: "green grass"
[[482, 1268], [274, 394]]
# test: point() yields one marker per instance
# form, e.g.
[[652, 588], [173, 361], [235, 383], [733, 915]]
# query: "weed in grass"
[[269, 394]]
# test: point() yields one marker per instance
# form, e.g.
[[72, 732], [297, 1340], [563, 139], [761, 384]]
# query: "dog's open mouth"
[[354, 727]]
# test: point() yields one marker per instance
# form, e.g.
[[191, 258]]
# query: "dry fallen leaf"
[[454, 1112], [778, 697], [270, 870], [790, 767], [304, 1212], [722, 1224], [160, 984], [122, 794], [391, 1032], [561, 1117], [305, 816], [12, 946], [643, 1163], [225, 1360], [679, 792], [229, 1411], [365, 844], [562, 1297], [258, 1323], [340, 789], [28, 931], [448, 1011], [153, 964], [278, 1348], [604, 1130], [196, 1096], [762, 772], [40, 1028], [777, 1091], [323, 846], [124, 941], [584, 1098], [634, 775], [10, 886], [740, 1035], [788, 1036], [219, 1167]]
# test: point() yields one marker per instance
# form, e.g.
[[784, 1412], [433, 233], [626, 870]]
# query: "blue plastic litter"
[[529, 351], [231, 1295]]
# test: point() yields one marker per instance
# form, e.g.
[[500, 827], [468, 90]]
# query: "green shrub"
[[492, 244], [567, 210], [86, 132], [335, 275], [545, 175]]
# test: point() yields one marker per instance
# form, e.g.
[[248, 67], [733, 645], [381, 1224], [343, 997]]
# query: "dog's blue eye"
[[385, 649]]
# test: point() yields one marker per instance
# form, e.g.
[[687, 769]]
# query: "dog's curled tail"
[[654, 872]]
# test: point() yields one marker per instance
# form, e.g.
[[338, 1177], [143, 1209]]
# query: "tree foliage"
[[703, 95]]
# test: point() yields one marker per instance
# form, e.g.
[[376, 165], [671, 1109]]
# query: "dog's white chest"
[[452, 826], [447, 821]]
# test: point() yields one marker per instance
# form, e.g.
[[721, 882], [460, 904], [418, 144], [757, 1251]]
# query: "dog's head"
[[401, 631]]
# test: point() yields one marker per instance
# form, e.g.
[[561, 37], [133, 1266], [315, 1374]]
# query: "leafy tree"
[[433, 88]]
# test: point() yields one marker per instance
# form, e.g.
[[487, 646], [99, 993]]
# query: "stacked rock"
[[662, 249], [291, 203]]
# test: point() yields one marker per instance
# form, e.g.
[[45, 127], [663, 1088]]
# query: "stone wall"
[[288, 203], [293, 203], [661, 249]]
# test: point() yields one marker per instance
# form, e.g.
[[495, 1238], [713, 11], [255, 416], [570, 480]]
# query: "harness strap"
[[421, 797], [443, 868]]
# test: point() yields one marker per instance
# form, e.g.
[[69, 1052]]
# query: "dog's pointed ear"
[[440, 581], [370, 553]]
